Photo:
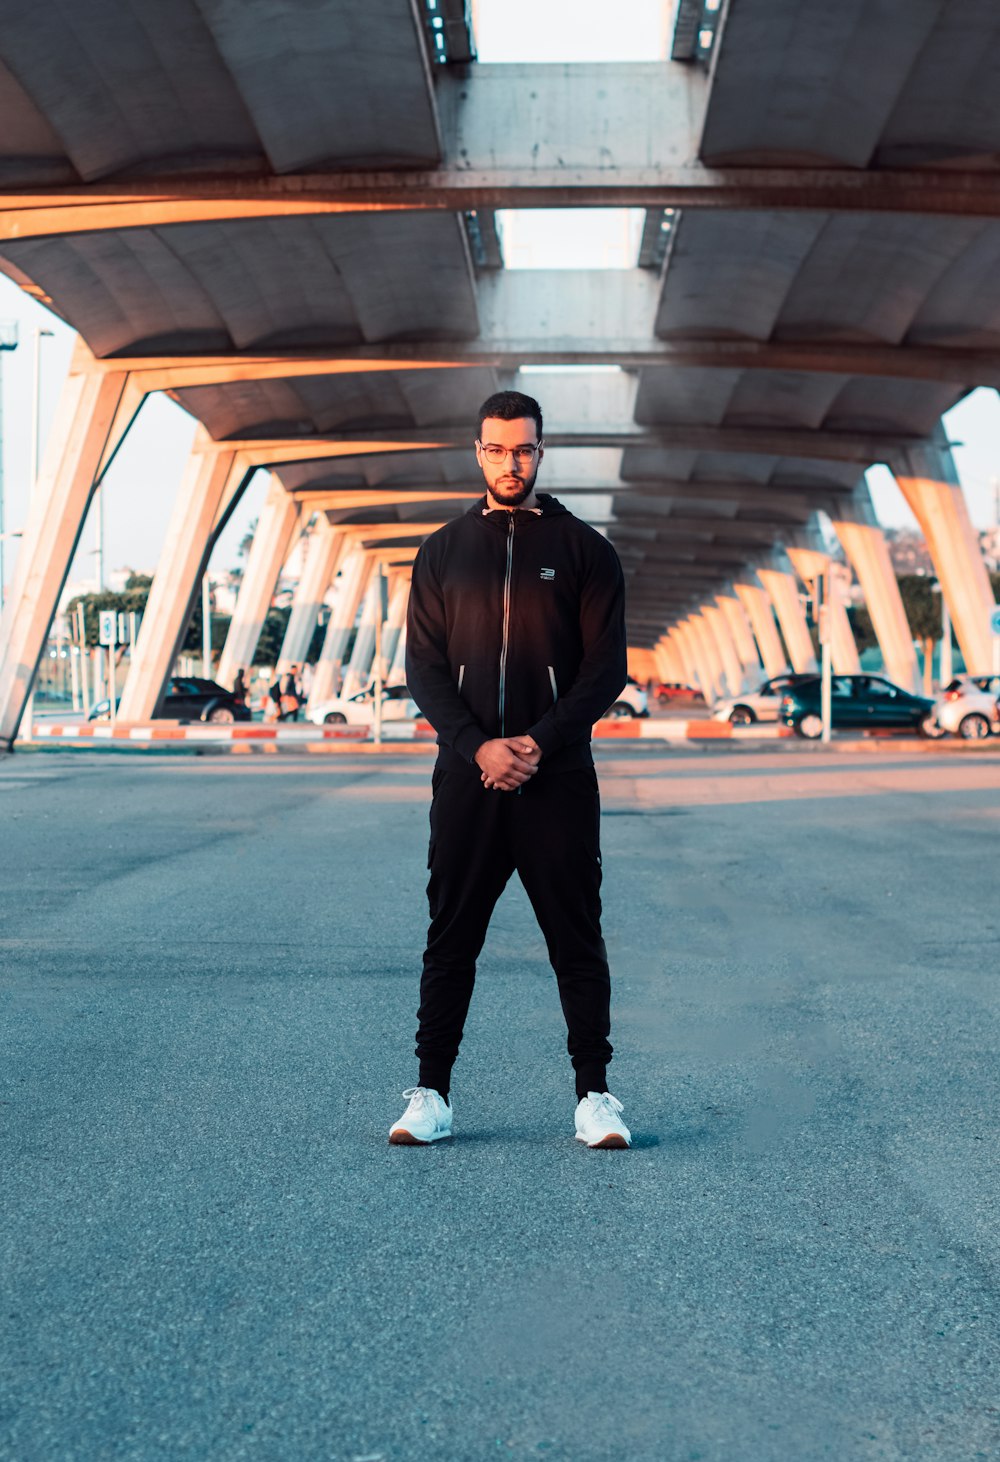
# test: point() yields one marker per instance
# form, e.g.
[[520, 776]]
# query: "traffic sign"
[[995, 620], [108, 632]]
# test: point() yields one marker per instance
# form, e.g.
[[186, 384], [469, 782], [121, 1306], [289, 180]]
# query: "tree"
[[922, 605], [862, 627]]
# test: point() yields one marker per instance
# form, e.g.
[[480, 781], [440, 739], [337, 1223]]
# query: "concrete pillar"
[[865, 545], [399, 598], [760, 613], [684, 640], [706, 658], [742, 635], [397, 667], [354, 575], [929, 482], [327, 546], [810, 564], [359, 669], [212, 484], [783, 592], [669, 666], [280, 520], [88, 426], [677, 668], [719, 629]]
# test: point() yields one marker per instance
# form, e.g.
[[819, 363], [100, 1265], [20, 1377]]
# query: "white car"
[[757, 705], [359, 709], [632, 701], [969, 707]]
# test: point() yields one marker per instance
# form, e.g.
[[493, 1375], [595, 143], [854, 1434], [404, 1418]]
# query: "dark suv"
[[189, 698]]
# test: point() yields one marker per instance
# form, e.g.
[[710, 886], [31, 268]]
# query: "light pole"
[[8, 341], [206, 626], [945, 666], [36, 387]]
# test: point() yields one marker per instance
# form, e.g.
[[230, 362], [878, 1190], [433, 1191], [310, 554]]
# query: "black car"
[[189, 698], [857, 702]]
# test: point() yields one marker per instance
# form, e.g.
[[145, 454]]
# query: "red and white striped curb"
[[624, 730]]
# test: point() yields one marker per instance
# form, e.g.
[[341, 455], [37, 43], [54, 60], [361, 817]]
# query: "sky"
[[141, 485]]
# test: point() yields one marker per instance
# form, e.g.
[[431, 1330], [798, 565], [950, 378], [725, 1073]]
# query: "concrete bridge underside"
[[306, 258]]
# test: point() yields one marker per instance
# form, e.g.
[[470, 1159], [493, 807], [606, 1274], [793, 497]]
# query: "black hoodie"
[[516, 625]]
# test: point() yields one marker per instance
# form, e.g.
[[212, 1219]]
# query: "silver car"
[[758, 705], [969, 706]]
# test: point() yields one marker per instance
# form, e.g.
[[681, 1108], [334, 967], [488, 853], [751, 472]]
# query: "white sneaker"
[[598, 1121], [426, 1119]]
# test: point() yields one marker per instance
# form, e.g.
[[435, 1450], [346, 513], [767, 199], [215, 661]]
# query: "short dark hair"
[[510, 406]]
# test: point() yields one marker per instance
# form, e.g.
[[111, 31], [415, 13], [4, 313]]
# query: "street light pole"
[[945, 669], [36, 389], [8, 341], [206, 626], [822, 588]]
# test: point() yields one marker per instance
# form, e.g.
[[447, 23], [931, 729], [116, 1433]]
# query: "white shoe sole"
[[612, 1139], [403, 1137]]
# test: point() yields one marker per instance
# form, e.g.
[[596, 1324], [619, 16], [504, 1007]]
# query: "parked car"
[[359, 709], [969, 706], [858, 702], [632, 701], [758, 705], [189, 698], [673, 690]]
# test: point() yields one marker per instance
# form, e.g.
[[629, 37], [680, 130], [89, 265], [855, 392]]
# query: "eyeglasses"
[[523, 456]]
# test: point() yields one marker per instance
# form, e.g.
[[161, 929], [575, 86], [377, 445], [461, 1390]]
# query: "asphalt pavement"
[[210, 1250]]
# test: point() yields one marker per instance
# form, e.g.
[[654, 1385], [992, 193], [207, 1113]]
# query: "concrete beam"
[[811, 564], [783, 593], [742, 634], [87, 427], [719, 630], [565, 342], [212, 484], [354, 577], [525, 136], [793, 501], [279, 524], [349, 500], [866, 548], [860, 447], [327, 545], [929, 483], [754, 598]]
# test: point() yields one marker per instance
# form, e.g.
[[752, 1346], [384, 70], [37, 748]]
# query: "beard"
[[512, 492]]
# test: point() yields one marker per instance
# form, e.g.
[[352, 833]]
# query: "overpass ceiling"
[[256, 283], [129, 88], [894, 279], [320, 404], [855, 83], [120, 92]]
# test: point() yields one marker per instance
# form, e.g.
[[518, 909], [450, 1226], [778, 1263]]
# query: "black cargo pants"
[[549, 833]]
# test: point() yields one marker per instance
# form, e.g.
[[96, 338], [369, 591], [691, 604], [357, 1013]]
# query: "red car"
[[671, 690]]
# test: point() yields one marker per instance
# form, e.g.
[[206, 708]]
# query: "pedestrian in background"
[[290, 694], [515, 647], [240, 688]]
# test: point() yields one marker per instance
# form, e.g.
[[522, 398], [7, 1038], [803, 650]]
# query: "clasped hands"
[[508, 762]]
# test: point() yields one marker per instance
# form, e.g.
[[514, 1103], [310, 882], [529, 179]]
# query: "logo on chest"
[[547, 574]]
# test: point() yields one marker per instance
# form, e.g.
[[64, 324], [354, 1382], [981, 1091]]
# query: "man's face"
[[511, 480]]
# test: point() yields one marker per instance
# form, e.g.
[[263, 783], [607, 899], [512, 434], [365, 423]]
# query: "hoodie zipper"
[[506, 621]]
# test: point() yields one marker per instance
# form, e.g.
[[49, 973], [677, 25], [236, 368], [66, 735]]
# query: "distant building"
[[908, 551], [989, 542]]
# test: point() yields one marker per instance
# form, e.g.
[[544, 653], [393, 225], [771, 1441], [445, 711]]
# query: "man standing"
[[515, 647]]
